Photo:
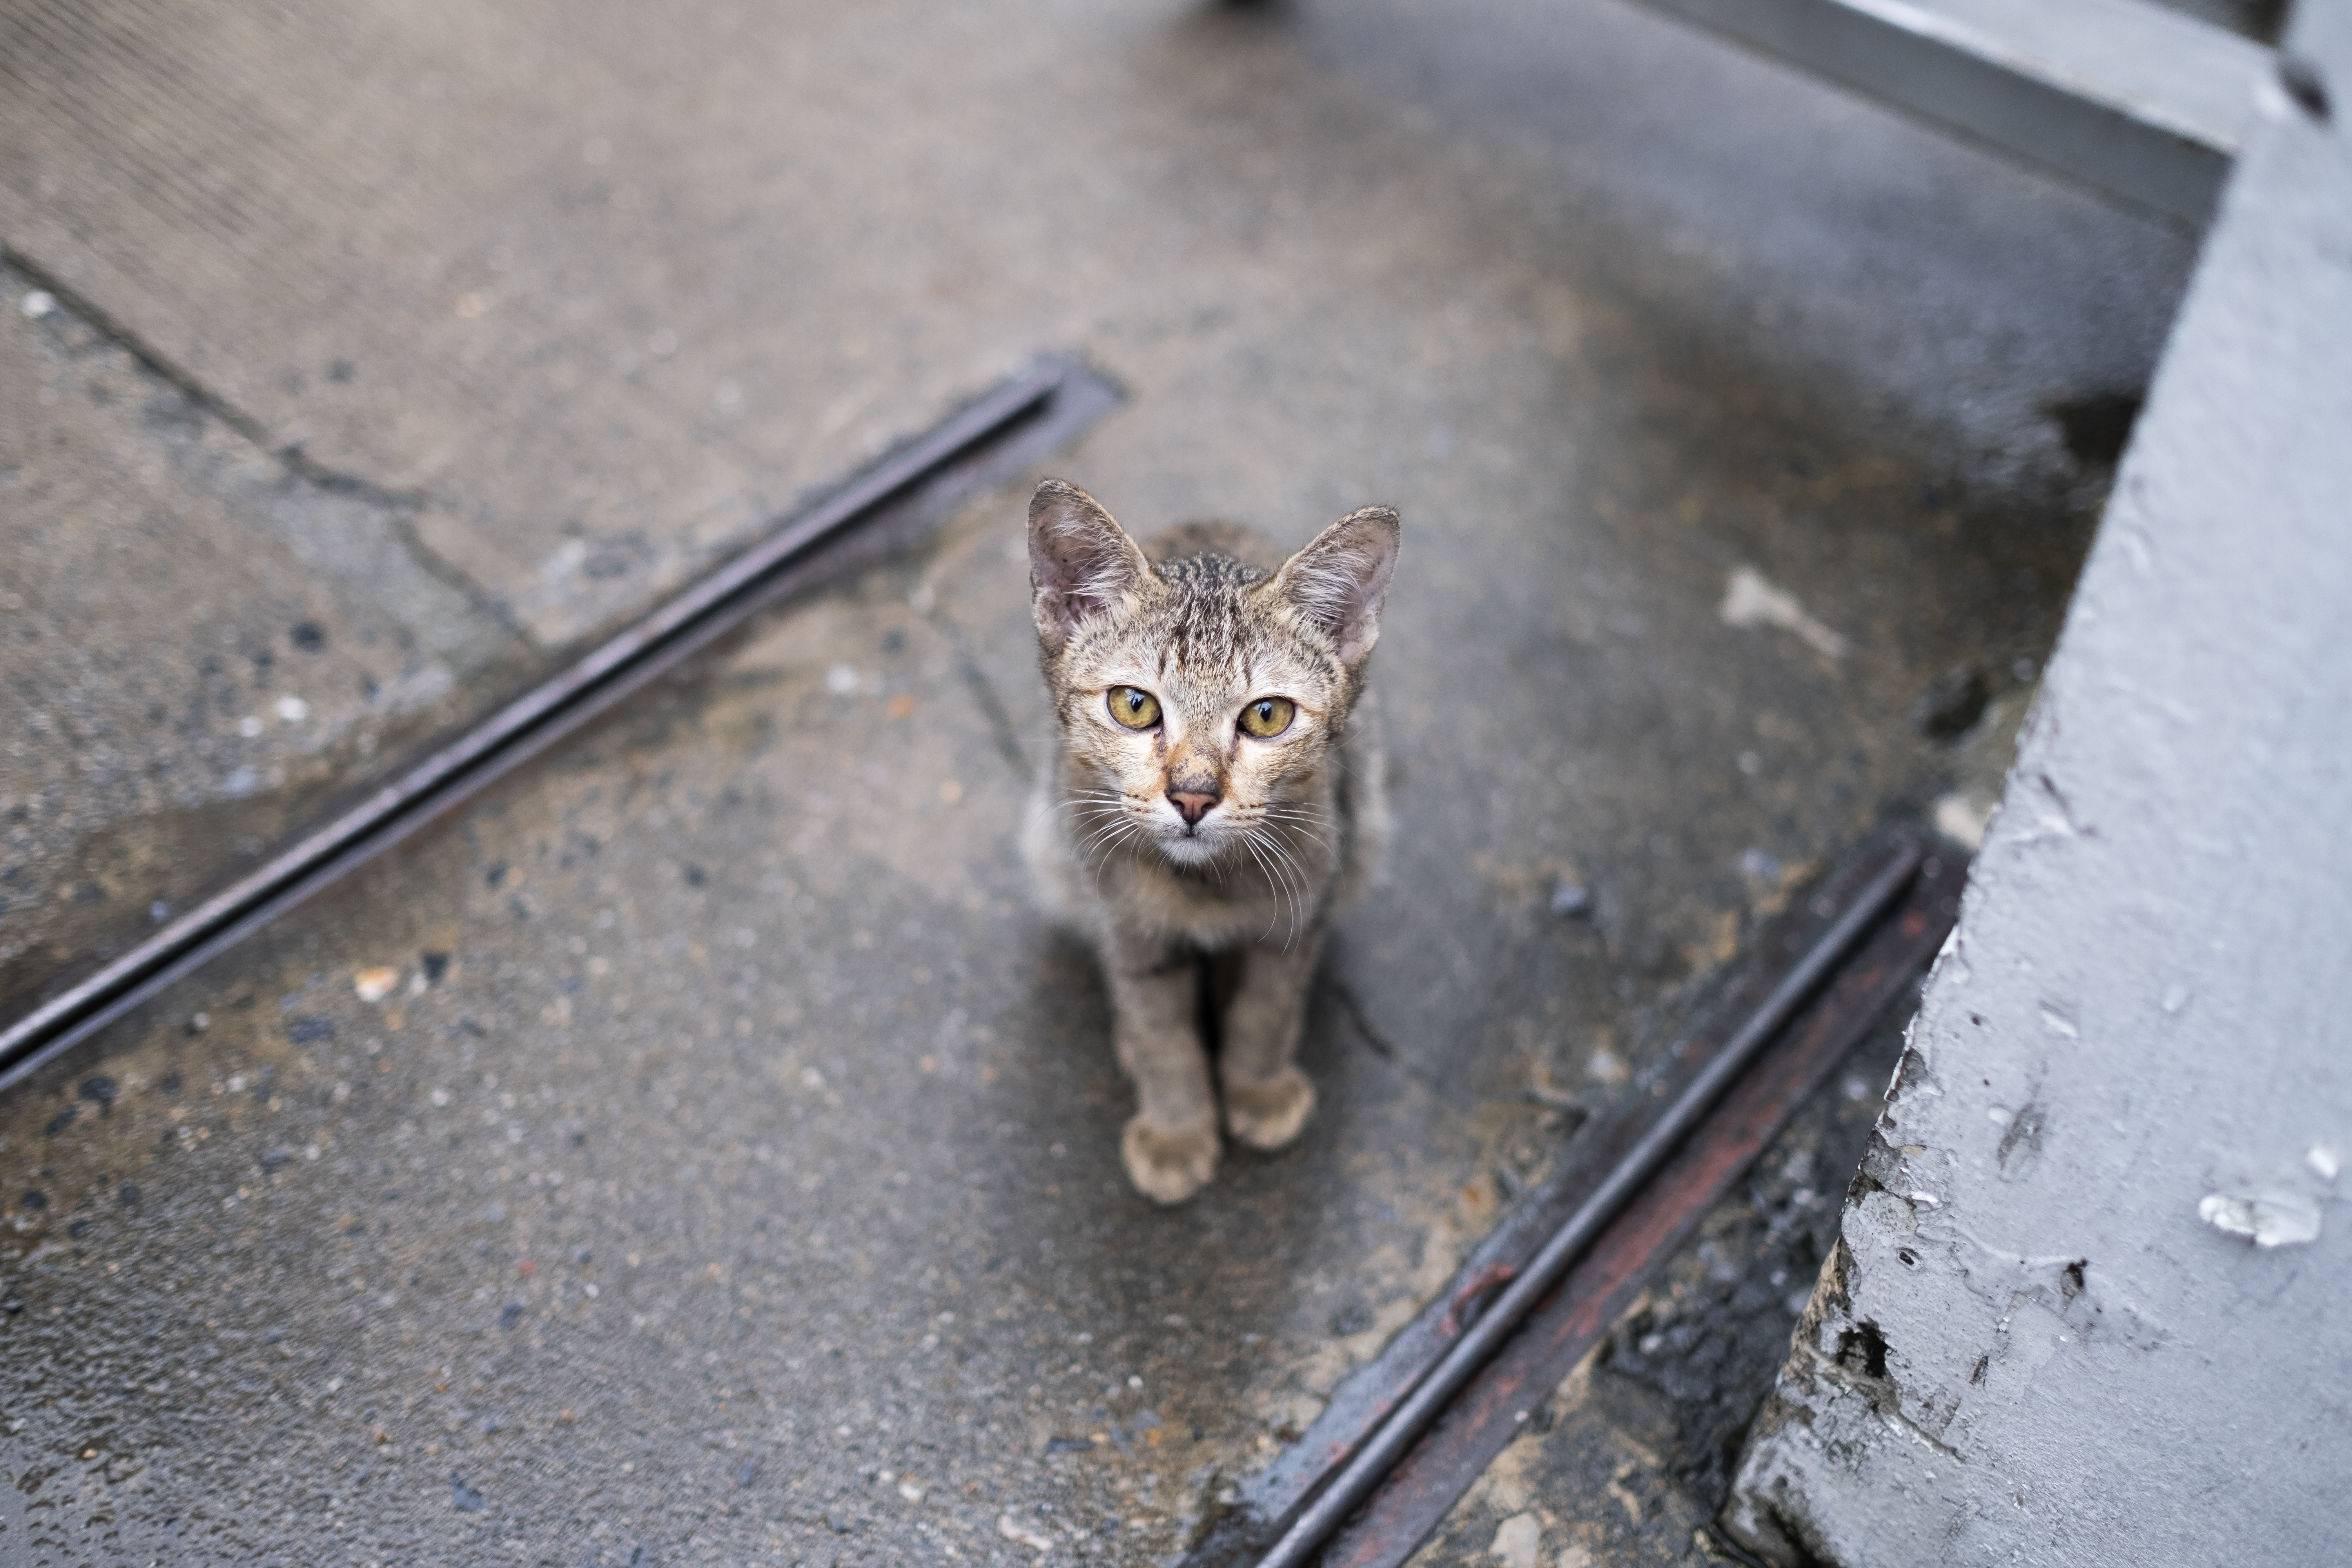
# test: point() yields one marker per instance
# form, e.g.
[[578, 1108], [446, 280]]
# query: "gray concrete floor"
[[729, 1175]]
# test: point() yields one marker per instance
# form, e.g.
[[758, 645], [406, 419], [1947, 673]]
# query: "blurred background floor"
[[729, 1174]]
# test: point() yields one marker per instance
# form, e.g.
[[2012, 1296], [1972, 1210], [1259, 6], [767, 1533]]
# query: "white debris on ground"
[[1962, 817], [1013, 1530], [376, 984], [1518, 1540], [1751, 600]]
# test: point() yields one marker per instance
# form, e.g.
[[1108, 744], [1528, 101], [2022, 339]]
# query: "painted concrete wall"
[[2093, 1303]]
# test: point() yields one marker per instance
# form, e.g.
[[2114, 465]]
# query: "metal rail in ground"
[[1416, 1496], [987, 443], [2135, 98], [1631, 1189]]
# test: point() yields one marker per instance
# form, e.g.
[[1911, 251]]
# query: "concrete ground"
[[729, 1174]]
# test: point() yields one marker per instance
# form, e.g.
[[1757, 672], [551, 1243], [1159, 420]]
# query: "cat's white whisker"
[[1299, 825], [1109, 833], [1286, 888], [1248, 843], [1298, 899], [1092, 822]]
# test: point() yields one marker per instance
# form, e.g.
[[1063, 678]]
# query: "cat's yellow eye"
[[1268, 717], [1136, 709]]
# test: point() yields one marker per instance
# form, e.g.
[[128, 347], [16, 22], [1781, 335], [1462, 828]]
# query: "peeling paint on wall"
[[2086, 1306], [2272, 1219]]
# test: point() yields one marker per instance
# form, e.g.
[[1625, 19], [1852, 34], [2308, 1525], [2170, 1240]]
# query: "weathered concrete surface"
[[609, 283], [613, 283], [735, 1017], [198, 645], [1582, 271], [2088, 1305], [1604, 346]]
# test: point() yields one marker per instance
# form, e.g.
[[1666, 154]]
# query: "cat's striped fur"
[[1192, 845]]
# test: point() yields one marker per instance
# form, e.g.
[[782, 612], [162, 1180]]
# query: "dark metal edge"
[[1491, 1412]]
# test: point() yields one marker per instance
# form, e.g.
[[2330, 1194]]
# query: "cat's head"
[[1202, 688]]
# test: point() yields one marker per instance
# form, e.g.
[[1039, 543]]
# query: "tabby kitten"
[[1212, 800]]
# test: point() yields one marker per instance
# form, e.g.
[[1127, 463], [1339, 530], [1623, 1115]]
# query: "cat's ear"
[[1081, 563], [1337, 582]]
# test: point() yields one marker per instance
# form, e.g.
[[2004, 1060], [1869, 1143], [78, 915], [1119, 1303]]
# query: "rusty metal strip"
[[986, 443], [1269, 1502], [1893, 871], [1605, 1283]]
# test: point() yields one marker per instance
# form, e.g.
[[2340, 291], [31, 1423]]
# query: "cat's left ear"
[[1340, 581], [1081, 563]]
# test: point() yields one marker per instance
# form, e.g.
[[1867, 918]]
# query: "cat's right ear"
[[1341, 579], [1081, 563]]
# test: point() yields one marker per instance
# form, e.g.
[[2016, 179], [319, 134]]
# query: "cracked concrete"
[[723, 1062], [200, 645]]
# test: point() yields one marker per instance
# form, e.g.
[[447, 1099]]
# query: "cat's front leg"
[[1170, 1146], [1268, 1099]]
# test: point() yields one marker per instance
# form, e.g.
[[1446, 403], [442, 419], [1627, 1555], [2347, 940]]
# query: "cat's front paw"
[[1169, 1164], [1268, 1113]]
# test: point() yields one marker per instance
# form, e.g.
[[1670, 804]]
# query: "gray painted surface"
[[2134, 99], [2049, 1335]]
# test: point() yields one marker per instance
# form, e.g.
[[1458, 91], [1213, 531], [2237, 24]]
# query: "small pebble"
[[1569, 900]]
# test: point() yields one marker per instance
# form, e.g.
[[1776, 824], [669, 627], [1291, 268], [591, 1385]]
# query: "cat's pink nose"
[[1193, 805]]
